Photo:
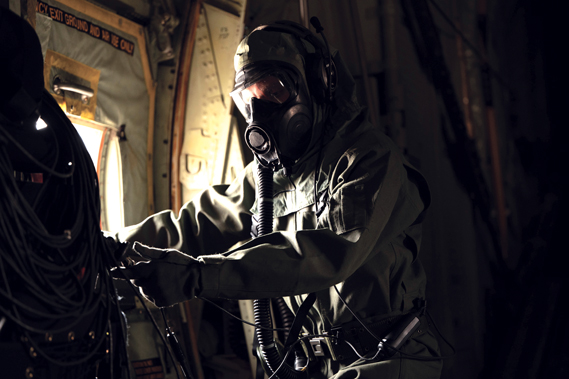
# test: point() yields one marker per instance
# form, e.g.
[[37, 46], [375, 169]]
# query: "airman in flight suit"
[[347, 211]]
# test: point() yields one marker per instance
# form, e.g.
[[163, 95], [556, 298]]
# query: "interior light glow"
[[40, 124]]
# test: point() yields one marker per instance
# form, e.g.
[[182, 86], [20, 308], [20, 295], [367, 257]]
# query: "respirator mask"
[[278, 109]]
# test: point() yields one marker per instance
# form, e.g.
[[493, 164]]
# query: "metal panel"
[[208, 109]]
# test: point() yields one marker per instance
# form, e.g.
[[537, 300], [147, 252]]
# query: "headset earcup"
[[317, 78]]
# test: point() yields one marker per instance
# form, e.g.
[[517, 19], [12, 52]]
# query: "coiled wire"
[[54, 261]]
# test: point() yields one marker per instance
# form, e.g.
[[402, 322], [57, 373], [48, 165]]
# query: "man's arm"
[[212, 222]]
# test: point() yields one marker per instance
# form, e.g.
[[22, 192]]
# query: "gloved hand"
[[166, 277], [118, 250]]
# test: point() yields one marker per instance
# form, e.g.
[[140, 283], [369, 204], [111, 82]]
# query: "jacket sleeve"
[[213, 222], [373, 198]]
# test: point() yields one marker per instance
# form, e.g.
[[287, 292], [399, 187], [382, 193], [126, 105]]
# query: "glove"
[[118, 250], [166, 276]]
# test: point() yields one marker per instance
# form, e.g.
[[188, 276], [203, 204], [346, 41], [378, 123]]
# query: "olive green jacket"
[[365, 241]]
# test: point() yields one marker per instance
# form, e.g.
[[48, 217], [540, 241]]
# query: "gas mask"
[[278, 109]]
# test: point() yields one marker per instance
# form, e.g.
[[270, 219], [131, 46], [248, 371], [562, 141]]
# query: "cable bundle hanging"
[[54, 281]]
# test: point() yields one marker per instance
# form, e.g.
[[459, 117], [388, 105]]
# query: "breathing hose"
[[261, 307]]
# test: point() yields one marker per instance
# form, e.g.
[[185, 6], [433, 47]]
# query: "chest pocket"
[[304, 219], [348, 209]]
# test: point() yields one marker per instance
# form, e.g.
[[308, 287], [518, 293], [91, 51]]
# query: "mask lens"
[[269, 88]]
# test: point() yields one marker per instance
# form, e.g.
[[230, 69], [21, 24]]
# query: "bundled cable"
[[54, 261]]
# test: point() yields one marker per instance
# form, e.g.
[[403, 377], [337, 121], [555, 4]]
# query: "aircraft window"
[[92, 138], [103, 146], [112, 190]]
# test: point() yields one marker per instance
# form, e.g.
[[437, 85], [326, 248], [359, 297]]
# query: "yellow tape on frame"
[[68, 68]]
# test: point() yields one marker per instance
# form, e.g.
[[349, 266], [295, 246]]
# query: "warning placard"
[[85, 26]]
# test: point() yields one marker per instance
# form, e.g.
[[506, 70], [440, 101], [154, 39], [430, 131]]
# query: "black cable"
[[319, 29], [409, 356], [440, 334], [362, 357], [84, 357], [290, 349], [356, 316], [32, 159], [177, 349], [244, 321], [63, 274], [403, 354], [45, 185], [149, 313]]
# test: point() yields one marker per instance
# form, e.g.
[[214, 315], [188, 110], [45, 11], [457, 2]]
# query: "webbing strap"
[[299, 319]]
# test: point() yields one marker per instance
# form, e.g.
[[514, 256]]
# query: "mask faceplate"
[[278, 111]]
